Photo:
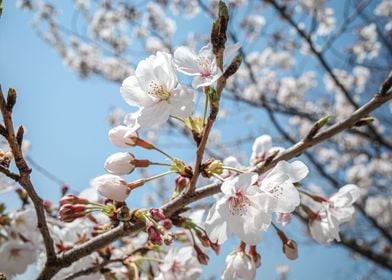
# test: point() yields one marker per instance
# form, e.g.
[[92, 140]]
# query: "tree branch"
[[14, 141]]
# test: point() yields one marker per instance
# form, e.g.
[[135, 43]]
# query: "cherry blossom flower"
[[203, 65], [339, 209], [111, 186], [282, 195], [239, 266], [155, 89], [237, 211], [15, 257], [180, 264]]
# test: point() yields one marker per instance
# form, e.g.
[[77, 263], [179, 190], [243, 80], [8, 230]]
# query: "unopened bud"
[[11, 99], [317, 126], [201, 256], [111, 186], [69, 212], [72, 199], [233, 67], [157, 214], [64, 189], [290, 249], [203, 237], [154, 236], [167, 224], [364, 121], [123, 136], [181, 183], [120, 163]]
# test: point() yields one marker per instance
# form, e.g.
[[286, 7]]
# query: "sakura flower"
[[25, 223], [339, 209], [202, 66], [15, 257], [282, 195], [180, 264], [111, 186], [237, 211], [155, 89], [239, 266], [120, 163]]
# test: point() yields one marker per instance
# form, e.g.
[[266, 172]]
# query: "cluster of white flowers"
[[368, 46], [21, 244]]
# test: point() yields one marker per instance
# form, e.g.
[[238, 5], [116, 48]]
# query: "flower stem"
[[233, 169], [160, 163], [158, 176], [314, 197], [178, 118], [218, 177], [205, 108], [162, 152]]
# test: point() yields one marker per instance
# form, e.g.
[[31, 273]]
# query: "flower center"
[[14, 253], [204, 65], [158, 91], [238, 204], [176, 267]]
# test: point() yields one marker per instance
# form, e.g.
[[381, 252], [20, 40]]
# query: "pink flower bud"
[[157, 214], [120, 164], [167, 224], [111, 186], [201, 256], [154, 235], [64, 189], [72, 199], [203, 237], [181, 183], [290, 249], [69, 212]]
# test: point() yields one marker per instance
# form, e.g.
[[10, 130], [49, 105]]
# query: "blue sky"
[[65, 120]]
